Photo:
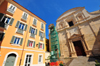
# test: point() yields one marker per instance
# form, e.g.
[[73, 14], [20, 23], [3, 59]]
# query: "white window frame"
[[31, 58], [42, 45], [18, 26], [23, 14], [39, 36], [33, 42], [41, 58], [43, 25], [19, 41], [35, 31], [10, 6], [36, 21]]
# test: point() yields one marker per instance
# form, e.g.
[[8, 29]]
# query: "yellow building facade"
[[22, 36]]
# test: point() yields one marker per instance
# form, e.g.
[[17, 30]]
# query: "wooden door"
[[10, 60], [79, 48]]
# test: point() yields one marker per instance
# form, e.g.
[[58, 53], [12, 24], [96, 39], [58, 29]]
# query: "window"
[[6, 20], [21, 27], [41, 46], [42, 26], [1, 36], [41, 34], [35, 22], [16, 40], [31, 43], [28, 60], [24, 16], [33, 32], [70, 23], [11, 9], [40, 60]]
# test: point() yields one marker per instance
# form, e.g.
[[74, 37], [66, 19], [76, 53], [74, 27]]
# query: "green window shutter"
[[39, 45], [44, 34], [39, 33], [43, 46], [35, 31], [25, 27], [12, 40], [1, 16], [34, 44], [30, 29], [28, 42], [21, 41], [17, 24], [11, 21]]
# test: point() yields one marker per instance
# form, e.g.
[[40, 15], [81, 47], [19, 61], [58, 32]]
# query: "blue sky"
[[50, 10]]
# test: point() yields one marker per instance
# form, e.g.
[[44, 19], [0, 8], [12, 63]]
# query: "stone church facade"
[[79, 33]]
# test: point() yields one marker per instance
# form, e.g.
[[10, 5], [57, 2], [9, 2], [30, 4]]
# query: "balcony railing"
[[20, 31], [3, 25], [32, 35]]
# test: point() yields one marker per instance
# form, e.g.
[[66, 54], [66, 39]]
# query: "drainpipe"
[[25, 42]]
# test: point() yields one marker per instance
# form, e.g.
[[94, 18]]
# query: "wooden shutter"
[[34, 21], [39, 45], [34, 44], [28, 42], [30, 29], [39, 33], [11, 21], [12, 40], [17, 24], [1, 16], [2, 36], [25, 27], [43, 46], [21, 41], [35, 31]]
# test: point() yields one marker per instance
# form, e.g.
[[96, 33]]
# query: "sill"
[[41, 48], [20, 33], [40, 62], [23, 19], [30, 47], [42, 29], [15, 44], [41, 40], [10, 13], [32, 37], [34, 25]]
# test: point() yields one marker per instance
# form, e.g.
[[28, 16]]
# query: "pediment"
[[75, 36]]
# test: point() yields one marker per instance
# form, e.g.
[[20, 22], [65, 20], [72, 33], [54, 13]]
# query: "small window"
[[42, 26], [41, 35], [17, 40], [35, 22], [33, 31], [41, 46], [11, 9], [31, 43], [6, 20], [24, 16], [21, 26], [40, 58], [28, 60], [70, 23]]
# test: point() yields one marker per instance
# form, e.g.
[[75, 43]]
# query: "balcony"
[[3, 25], [32, 35], [20, 31]]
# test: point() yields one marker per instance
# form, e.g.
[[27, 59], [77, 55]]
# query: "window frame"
[[34, 32], [13, 6], [41, 36], [41, 58], [33, 43], [41, 25], [31, 58], [42, 45], [23, 15], [36, 22], [18, 27], [19, 42]]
